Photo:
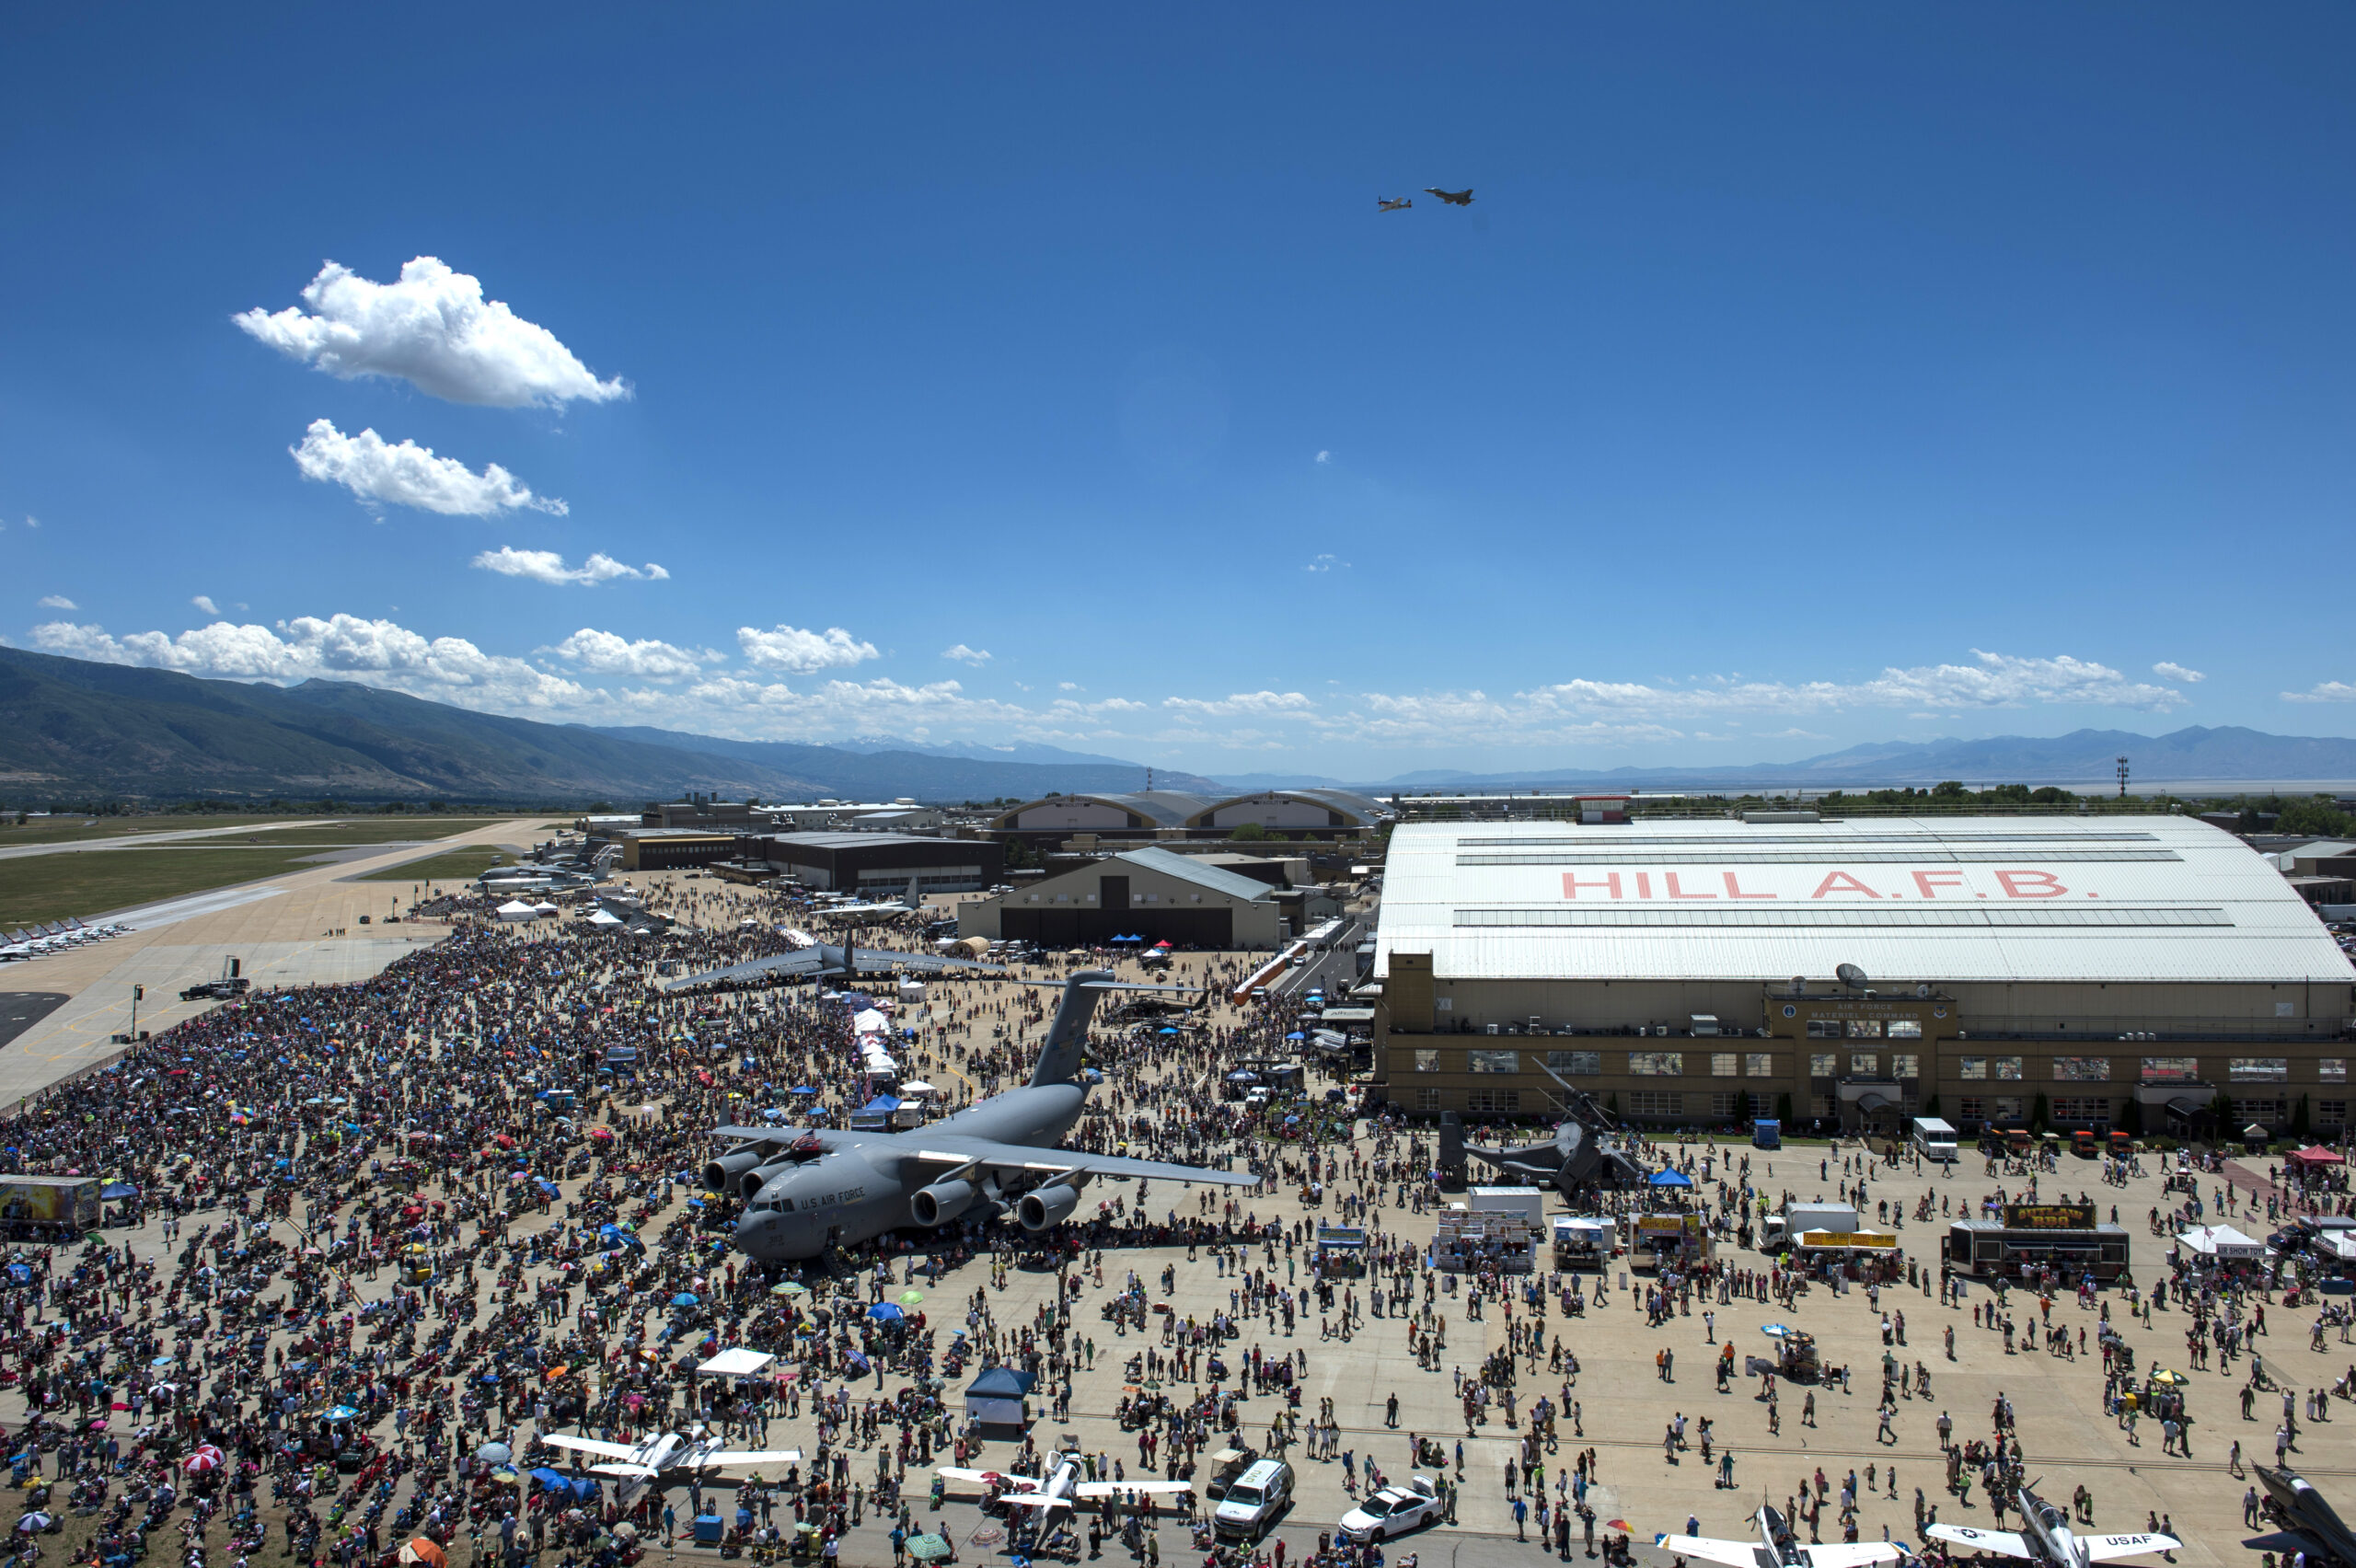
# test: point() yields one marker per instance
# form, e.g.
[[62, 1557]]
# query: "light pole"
[[137, 993]]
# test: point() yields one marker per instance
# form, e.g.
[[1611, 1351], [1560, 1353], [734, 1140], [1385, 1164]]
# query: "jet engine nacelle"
[[1049, 1205], [942, 1202], [750, 1182], [720, 1175]]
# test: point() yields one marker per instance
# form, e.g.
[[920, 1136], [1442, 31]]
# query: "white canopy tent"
[[518, 910], [736, 1363], [2222, 1243]]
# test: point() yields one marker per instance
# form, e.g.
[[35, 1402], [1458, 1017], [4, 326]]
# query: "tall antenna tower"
[[2122, 778]]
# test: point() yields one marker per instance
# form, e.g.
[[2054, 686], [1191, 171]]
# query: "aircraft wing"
[[635, 1472], [590, 1445], [749, 1457], [2288, 1541], [802, 961], [952, 1151], [1114, 1489], [986, 1477], [2102, 1548], [2006, 1542], [880, 960], [1732, 1553], [1847, 1554], [1034, 1500]]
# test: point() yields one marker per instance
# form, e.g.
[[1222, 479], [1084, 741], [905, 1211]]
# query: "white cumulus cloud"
[[409, 475], [605, 653], [2324, 691], [800, 652], [976, 657], [2168, 670], [340, 647], [548, 566], [1997, 680], [433, 330], [1327, 563], [205, 601], [1324, 456], [57, 601]]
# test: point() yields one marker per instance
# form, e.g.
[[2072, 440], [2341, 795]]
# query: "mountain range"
[[72, 730]]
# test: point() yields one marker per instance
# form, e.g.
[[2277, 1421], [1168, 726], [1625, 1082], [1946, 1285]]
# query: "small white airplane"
[[1061, 1487], [2045, 1536], [1775, 1547], [668, 1451]]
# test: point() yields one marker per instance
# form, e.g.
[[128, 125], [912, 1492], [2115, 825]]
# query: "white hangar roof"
[[1947, 899]]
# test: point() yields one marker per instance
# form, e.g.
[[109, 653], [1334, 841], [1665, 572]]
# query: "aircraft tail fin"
[[1059, 1058]]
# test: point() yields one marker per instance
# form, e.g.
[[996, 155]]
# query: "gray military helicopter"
[[807, 1190]]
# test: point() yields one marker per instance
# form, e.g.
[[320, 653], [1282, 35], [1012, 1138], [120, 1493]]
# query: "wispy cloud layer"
[[433, 330]]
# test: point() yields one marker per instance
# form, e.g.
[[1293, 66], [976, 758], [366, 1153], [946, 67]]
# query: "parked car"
[[1392, 1512]]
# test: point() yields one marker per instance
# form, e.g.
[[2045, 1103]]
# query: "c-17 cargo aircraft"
[[1775, 1547], [827, 961], [2308, 1523], [808, 1190], [2045, 1536]]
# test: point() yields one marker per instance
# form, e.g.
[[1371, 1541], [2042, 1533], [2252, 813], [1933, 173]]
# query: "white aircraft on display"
[[1775, 1547], [665, 1452], [2045, 1536], [1061, 1486]]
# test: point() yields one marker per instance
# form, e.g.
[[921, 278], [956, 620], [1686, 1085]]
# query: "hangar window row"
[[1955, 915], [1865, 1029], [1641, 1063]]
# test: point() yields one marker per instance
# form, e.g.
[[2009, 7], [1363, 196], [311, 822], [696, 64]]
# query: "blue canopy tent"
[[1670, 1179], [995, 1398]]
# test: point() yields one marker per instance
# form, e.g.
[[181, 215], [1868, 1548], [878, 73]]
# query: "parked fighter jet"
[[825, 960], [2309, 1523], [1060, 1487], [1394, 203], [808, 1190], [2045, 1536], [1454, 198], [1775, 1547], [1579, 1156]]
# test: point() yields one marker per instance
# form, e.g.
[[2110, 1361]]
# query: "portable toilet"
[[1765, 1134]]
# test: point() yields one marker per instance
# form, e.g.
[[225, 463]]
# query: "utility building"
[[2149, 972], [881, 865], [1154, 893]]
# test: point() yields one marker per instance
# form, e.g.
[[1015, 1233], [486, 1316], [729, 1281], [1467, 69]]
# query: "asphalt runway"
[[19, 1010]]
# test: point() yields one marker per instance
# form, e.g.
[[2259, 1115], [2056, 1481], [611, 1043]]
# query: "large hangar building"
[[2108, 971]]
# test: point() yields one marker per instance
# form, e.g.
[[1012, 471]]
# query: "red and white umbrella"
[[207, 1457]]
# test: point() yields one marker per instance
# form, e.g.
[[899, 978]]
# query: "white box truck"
[[1798, 1218], [1935, 1140]]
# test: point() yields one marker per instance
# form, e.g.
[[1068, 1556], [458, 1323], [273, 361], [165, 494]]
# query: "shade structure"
[[736, 1363], [424, 1551], [2221, 1241], [1670, 1179]]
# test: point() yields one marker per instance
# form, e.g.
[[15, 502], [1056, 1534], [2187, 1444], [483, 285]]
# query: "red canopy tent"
[[2315, 1154]]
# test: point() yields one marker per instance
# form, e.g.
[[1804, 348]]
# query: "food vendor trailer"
[[2063, 1234]]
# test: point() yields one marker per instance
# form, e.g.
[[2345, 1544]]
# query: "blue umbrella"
[[884, 1312], [1778, 1331], [685, 1298], [801, 1088]]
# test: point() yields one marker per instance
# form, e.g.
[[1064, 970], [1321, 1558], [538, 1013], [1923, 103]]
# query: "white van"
[[1255, 1499], [1935, 1140]]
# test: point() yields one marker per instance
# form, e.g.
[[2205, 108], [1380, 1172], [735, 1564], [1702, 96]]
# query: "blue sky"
[[1799, 375]]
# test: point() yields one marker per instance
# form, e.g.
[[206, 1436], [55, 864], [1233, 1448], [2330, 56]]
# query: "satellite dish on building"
[[1923, 990], [1800, 985], [1852, 977]]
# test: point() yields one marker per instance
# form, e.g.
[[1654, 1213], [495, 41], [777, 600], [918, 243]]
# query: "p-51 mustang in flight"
[[807, 1190]]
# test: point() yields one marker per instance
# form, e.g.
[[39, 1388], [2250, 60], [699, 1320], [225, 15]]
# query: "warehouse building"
[[1140, 813], [2148, 972], [1153, 893], [880, 864], [1317, 813], [670, 849]]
